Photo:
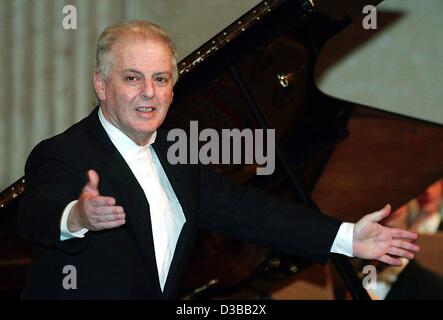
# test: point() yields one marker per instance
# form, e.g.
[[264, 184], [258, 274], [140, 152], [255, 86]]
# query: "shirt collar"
[[122, 142]]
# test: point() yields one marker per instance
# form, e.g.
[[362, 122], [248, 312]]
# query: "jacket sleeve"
[[52, 181], [252, 215]]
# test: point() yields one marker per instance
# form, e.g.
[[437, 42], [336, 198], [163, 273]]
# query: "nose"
[[148, 90]]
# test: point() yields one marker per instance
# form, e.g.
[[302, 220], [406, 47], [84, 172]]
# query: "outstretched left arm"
[[374, 241]]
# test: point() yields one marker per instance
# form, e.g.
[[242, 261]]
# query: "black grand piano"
[[258, 73]]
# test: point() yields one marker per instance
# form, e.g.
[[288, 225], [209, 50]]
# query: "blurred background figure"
[[413, 280]]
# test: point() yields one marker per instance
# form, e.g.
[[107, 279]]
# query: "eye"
[[131, 78], [161, 79]]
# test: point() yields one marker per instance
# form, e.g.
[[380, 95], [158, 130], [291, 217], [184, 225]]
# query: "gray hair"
[[135, 28]]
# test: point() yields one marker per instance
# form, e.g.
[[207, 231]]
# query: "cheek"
[[124, 94], [164, 97], [129, 95]]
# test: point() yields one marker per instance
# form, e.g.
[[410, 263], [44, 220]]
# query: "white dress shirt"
[[167, 216]]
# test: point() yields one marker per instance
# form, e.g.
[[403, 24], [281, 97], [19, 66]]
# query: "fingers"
[[400, 249], [405, 245], [400, 253], [95, 204], [110, 224], [391, 260], [102, 201], [108, 217], [381, 214], [107, 210], [104, 219], [100, 213], [398, 233], [104, 213]]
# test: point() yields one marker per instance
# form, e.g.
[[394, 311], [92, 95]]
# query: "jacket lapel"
[[129, 194]]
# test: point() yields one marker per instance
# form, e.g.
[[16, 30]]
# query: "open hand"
[[388, 245], [93, 211]]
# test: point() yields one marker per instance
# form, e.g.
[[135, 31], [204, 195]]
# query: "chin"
[[148, 131], [147, 126]]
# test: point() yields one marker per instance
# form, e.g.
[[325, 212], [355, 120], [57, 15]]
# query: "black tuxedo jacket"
[[120, 263]]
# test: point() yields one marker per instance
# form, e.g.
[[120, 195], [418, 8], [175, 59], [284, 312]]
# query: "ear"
[[99, 86]]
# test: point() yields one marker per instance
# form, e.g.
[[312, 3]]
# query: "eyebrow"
[[141, 73], [133, 71], [163, 73]]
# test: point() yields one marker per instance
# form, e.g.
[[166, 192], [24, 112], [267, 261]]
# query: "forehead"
[[142, 54]]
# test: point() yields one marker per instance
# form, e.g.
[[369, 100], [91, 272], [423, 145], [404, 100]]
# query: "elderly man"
[[129, 229]]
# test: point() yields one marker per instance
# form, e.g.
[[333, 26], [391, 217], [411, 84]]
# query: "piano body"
[[343, 158]]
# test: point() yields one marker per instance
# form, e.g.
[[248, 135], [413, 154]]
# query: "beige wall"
[[45, 78], [45, 83]]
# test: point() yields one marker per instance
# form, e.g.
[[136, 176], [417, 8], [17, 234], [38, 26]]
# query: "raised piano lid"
[[398, 67]]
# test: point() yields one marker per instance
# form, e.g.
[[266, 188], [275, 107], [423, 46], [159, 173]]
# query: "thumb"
[[92, 183], [381, 214]]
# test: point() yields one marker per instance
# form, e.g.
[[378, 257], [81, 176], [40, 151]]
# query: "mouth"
[[146, 109]]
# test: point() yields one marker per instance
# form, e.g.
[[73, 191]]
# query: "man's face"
[[138, 92]]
